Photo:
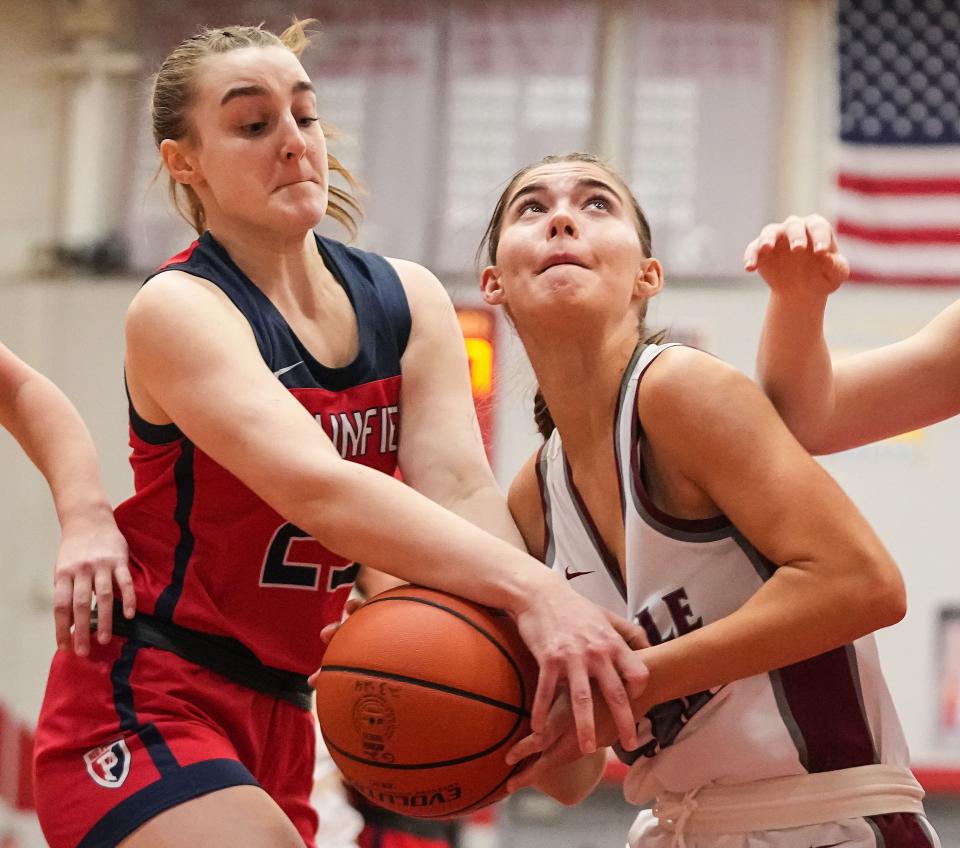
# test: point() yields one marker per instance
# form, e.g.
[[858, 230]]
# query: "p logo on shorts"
[[109, 765]]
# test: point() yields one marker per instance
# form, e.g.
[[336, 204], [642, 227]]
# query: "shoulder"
[[686, 392], [417, 280], [687, 376], [174, 298], [427, 297], [526, 506]]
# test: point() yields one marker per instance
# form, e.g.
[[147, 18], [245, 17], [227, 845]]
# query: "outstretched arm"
[[92, 555], [273, 445], [880, 393]]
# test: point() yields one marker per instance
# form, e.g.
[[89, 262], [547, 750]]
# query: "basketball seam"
[[486, 634], [424, 766], [428, 684]]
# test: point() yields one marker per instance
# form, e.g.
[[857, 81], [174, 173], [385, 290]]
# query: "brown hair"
[[174, 91], [491, 241]]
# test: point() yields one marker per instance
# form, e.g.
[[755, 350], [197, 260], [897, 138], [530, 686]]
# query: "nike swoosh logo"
[[288, 368], [571, 574]]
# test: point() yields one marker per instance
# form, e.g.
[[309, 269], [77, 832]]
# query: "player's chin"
[[302, 216]]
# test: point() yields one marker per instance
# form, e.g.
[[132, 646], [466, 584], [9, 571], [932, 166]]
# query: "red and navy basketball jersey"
[[206, 552]]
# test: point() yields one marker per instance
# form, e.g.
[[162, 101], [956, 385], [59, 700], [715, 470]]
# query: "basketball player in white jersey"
[[832, 408], [670, 492]]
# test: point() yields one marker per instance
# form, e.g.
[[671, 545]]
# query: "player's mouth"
[[562, 259]]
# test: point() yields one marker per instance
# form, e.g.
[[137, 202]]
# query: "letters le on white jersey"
[[832, 711]]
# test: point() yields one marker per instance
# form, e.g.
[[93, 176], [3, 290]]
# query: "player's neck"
[[286, 269], [580, 382]]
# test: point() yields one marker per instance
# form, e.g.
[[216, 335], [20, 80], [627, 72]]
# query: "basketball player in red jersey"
[[835, 407], [276, 379], [92, 559], [669, 491]]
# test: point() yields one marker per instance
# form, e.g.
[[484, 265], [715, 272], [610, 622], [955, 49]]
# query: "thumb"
[[841, 268], [632, 634]]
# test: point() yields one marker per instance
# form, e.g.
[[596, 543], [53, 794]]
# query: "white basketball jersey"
[[832, 711]]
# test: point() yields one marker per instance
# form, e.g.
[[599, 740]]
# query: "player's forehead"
[[272, 69], [560, 177]]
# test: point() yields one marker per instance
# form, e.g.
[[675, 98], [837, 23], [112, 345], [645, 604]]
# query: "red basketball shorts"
[[383, 837], [131, 731]]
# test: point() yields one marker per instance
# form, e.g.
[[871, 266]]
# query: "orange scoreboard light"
[[479, 329]]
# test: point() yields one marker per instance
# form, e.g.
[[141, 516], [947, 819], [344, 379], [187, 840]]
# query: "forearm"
[[403, 533], [486, 507], [53, 436], [794, 366], [797, 614]]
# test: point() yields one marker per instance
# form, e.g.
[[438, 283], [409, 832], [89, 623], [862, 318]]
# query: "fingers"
[[796, 233], [761, 246], [581, 702], [627, 680], [841, 268], [63, 610], [615, 694], [527, 774], [76, 583], [82, 596], [128, 597], [328, 632], [821, 234], [103, 585], [634, 635], [526, 747], [633, 672], [542, 700], [532, 769]]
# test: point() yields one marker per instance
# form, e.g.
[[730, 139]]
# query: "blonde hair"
[[174, 91]]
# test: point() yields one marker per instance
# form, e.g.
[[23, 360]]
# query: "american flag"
[[898, 184]]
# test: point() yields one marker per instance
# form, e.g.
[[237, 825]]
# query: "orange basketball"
[[420, 696]]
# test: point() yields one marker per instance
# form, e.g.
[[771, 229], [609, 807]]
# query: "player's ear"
[[649, 278], [179, 161], [490, 286]]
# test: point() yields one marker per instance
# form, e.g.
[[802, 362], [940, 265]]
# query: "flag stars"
[[933, 97], [902, 65], [918, 51], [888, 51], [934, 65], [902, 127], [886, 112], [897, 70], [887, 81], [933, 127], [903, 35], [918, 82]]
